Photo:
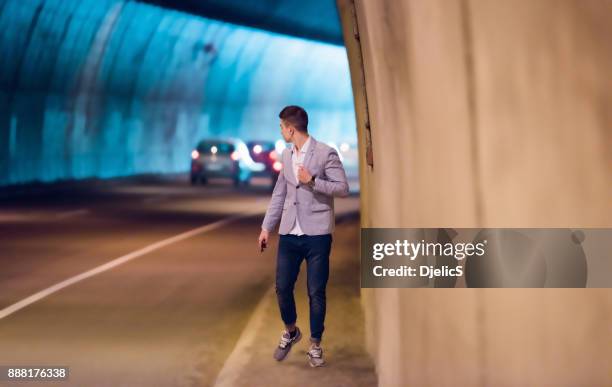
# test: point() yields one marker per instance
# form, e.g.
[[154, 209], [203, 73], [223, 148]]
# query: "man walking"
[[303, 201]]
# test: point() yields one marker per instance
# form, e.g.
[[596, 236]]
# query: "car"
[[223, 158], [265, 152]]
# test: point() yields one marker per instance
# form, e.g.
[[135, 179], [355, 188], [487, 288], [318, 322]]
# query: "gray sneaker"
[[315, 355], [285, 344]]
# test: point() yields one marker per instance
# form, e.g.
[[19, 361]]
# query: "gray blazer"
[[314, 207]]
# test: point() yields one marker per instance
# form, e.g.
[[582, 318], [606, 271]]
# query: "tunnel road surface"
[[172, 277]]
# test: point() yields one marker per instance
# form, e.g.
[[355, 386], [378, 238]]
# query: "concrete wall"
[[485, 113]]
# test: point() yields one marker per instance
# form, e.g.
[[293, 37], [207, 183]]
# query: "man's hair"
[[295, 116]]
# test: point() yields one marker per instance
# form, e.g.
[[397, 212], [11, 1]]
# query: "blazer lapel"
[[289, 164], [311, 149]]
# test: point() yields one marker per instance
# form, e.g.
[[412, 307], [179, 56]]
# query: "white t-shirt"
[[297, 159]]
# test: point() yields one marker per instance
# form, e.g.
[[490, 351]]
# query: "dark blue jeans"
[[292, 249]]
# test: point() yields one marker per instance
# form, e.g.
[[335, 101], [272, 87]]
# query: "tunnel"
[[127, 258], [447, 114], [101, 89]]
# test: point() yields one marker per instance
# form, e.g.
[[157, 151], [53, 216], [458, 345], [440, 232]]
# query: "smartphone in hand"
[[263, 246]]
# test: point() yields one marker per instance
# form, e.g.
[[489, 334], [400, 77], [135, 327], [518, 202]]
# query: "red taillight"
[[195, 154], [235, 155], [277, 166], [273, 155]]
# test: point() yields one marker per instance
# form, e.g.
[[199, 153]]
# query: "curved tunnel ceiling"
[[311, 19], [109, 87]]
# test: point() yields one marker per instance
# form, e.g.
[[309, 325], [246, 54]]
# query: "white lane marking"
[[119, 261], [241, 355], [70, 214], [15, 217], [24, 216]]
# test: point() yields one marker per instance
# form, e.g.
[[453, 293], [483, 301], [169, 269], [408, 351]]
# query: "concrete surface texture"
[[485, 113], [314, 19]]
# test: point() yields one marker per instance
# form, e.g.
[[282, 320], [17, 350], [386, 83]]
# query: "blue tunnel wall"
[[112, 88]]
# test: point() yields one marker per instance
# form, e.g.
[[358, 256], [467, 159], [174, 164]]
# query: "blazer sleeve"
[[275, 207], [334, 182]]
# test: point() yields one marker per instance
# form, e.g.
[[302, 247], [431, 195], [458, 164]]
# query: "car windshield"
[[222, 148]]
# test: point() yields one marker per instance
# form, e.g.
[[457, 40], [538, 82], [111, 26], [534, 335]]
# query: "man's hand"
[[303, 175], [263, 239]]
